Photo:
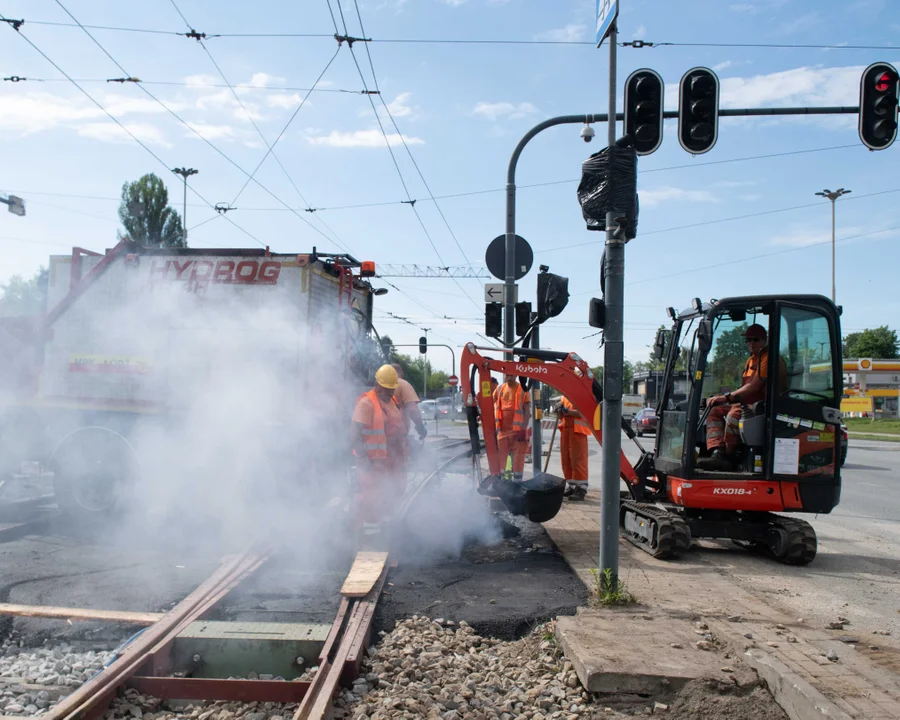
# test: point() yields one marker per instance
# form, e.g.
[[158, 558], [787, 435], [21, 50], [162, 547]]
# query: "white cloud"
[[37, 111], [110, 132], [123, 105], [655, 196], [573, 32], [201, 79], [287, 101], [211, 132], [639, 33], [361, 138], [494, 111], [721, 66], [800, 86], [453, 3], [805, 235], [400, 107], [261, 80]]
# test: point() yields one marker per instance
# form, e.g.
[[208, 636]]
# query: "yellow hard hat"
[[387, 377]]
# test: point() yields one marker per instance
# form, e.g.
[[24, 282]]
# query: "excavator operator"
[[511, 412], [723, 421], [379, 444]]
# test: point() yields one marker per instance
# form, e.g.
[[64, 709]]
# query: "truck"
[[631, 405], [155, 370]]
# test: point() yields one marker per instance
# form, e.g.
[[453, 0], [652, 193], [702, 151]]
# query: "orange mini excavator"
[[788, 454]]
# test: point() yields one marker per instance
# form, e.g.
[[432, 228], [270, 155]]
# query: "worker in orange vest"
[[511, 413], [573, 449], [379, 444]]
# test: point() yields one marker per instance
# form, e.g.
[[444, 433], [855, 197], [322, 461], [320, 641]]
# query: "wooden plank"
[[367, 568], [123, 616]]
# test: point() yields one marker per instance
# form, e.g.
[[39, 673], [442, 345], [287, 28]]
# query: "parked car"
[[428, 408], [845, 440], [644, 421]]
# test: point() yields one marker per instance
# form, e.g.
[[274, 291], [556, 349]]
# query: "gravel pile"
[[438, 669], [33, 679]]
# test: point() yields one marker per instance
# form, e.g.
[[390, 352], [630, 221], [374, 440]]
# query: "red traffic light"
[[883, 82]]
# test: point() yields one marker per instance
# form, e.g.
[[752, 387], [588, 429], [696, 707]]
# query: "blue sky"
[[461, 109]]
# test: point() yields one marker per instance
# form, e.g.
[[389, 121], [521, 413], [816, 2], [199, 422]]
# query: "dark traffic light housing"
[[423, 344], [552, 294], [878, 100], [523, 318], [698, 110], [493, 320], [644, 90]]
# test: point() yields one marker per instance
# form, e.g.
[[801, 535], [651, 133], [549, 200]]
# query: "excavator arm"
[[565, 372]]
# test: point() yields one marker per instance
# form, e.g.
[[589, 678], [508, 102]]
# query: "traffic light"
[[552, 294], [698, 110], [523, 318], [493, 320], [878, 98], [423, 344], [644, 91]]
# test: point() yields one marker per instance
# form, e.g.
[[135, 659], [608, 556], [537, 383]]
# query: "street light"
[[185, 173], [833, 196]]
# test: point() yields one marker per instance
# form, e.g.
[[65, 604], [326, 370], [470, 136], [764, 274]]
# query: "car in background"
[[644, 421], [429, 409], [845, 441], [445, 405]]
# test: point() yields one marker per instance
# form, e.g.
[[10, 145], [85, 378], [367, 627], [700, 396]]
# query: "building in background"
[[876, 379], [649, 383]]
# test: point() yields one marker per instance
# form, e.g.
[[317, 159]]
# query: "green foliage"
[[146, 215], [729, 357], [414, 370], [627, 374], [20, 297], [880, 343], [604, 594]]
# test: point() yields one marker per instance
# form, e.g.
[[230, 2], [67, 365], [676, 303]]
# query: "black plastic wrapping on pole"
[[609, 183]]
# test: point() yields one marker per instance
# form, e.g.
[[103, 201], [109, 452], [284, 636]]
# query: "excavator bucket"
[[538, 498]]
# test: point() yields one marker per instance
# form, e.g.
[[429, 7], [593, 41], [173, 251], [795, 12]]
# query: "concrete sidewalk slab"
[[628, 650]]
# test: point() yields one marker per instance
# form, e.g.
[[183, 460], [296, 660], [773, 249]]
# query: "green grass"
[[882, 438], [603, 595], [863, 425]]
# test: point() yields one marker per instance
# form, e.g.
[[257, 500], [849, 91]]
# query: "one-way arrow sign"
[[493, 292]]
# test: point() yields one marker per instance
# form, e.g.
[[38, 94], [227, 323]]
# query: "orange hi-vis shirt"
[[509, 408], [385, 430], [760, 367], [579, 425]]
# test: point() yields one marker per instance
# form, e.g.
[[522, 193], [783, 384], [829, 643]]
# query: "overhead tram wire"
[[126, 130], [270, 147], [173, 83], [410, 201], [704, 223], [637, 44], [390, 115], [197, 133]]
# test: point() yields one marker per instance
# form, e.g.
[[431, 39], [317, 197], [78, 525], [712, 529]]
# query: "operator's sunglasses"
[[753, 339]]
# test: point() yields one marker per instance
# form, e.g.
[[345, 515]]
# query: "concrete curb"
[[799, 699]]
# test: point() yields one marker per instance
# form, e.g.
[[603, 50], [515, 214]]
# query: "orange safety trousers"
[[723, 427], [506, 444], [573, 453]]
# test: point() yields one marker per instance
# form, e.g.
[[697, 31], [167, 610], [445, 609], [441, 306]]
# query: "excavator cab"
[[791, 434]]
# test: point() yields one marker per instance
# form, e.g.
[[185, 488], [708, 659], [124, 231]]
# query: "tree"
[[880, 342], [24, 297], [729, 358], [147, 216], [627, 375], [414, 373]]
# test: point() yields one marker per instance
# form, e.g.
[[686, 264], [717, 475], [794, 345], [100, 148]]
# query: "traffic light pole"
[[614, 273]]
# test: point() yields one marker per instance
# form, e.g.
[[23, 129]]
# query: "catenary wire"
[[199, 134], [126, 130]]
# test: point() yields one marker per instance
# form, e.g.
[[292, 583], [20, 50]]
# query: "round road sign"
[[495, 257], [453, 381]]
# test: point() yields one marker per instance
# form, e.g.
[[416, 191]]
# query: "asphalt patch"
[[458, 561]]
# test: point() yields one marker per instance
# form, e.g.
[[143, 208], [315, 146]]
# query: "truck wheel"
[[94, 472]]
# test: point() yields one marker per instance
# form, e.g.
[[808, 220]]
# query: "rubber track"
[[673, 536], [802, 543]]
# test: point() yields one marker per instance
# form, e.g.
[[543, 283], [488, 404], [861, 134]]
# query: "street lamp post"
[[833, 196], [185, 173]]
